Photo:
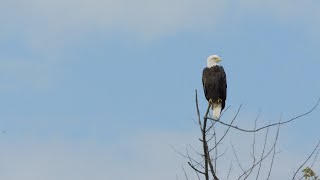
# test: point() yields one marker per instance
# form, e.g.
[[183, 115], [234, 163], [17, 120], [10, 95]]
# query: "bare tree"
[[205, 164]]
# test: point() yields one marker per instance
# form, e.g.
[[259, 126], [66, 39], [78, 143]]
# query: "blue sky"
[[84, 82]]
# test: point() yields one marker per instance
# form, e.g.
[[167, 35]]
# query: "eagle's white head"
[[213, 60]]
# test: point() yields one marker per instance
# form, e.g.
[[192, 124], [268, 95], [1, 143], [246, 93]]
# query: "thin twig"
[[192, 165], [221, 154], [264, 147], [235, 154], [196, 162], [274, 152], [195, 168], [224, 111], [212, 124], [195, 151], [212, 136], [212, 169], [230, 168], [314, 159], [253, 146], [216, 150], [186, 156], [198, 111], [185, 174], [306, 160]]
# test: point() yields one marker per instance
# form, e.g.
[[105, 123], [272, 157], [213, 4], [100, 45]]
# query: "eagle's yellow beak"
[[218, 59]]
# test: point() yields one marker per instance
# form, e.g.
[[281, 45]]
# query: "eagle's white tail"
[[216, 110]]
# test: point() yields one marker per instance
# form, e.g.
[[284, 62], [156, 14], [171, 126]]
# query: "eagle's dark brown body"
[[215, 84]]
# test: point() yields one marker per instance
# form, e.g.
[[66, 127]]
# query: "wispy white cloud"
[[144, 18], [49, 24]]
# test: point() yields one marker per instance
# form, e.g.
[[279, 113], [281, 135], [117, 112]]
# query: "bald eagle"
[[214, 83]]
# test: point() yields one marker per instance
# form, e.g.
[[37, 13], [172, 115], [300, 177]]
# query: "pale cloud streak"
[[49, 22], [142, 17]]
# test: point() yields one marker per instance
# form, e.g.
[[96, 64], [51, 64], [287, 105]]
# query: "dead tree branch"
[[275, 124], [211, 139]]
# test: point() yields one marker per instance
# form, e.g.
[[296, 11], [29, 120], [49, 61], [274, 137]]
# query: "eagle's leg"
[[210, 101]]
